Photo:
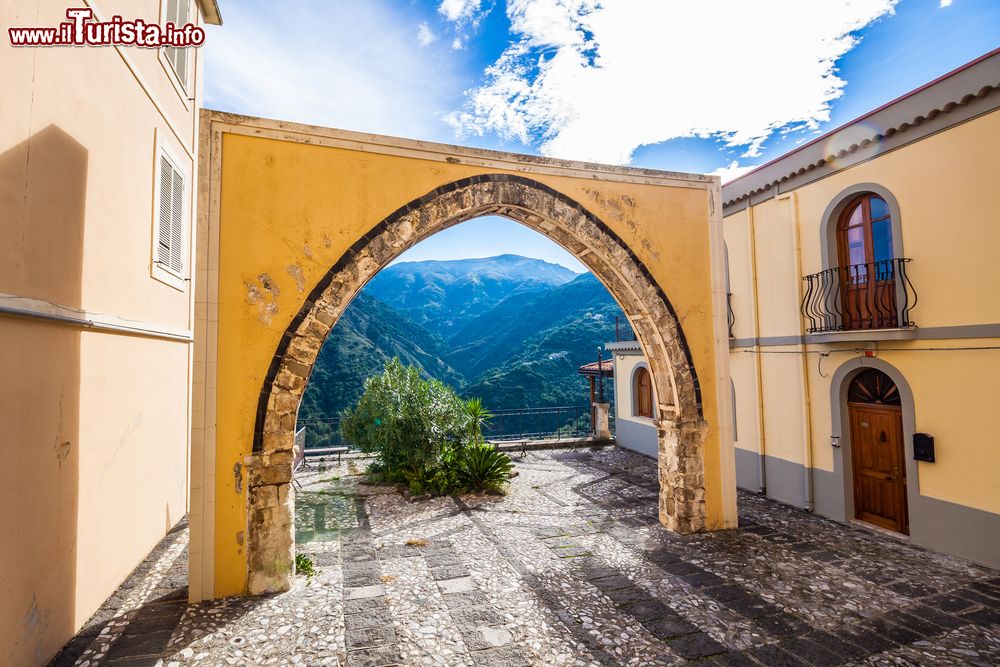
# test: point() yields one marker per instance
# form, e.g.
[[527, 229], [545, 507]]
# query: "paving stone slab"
[[466, 599], [352, 581], [369, 637], [613, 583], [696, 646], [949, 603], [561, 542], [474, 617], [363, 592], [547, 531], [891, 631], [812, 653], [975, 596], [781, 624], [383, 656], [771, 655], [625, 596], [365, 605], [477, 639], [449, 572], [460, 585], [668, 627], [503, 656], [368, 619], [912, 589], [867, 639], [647, 610], [839, 646], [681, 568], [442, 560], [572, 552], [731, 660]]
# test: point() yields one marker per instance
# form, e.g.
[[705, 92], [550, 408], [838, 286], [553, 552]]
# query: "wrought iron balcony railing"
[[623, 330], [875, 295], [732, 315]]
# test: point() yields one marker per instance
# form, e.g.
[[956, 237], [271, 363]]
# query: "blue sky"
[[713, 86]]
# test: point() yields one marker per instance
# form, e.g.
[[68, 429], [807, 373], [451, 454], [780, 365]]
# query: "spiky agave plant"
[[484, 468]]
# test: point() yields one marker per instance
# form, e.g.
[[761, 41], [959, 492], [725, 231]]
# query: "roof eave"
[[210, 10], [974, 80]]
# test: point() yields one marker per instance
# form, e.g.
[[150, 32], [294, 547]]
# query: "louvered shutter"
[[177, 224], [170, 219], [165, 219], [182, 54], [178, 13]]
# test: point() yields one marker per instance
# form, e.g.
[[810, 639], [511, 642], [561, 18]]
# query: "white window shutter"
[[182, 54], [178, 13], [177, 225], [164, 220]]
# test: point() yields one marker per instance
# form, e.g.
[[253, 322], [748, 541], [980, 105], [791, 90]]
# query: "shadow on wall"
[[43, 185]]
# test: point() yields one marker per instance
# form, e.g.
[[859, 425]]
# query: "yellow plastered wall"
[[95, 423], [945, 185], [946, 188], [287, 207]]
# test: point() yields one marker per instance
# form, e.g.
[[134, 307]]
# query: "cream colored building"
[[865, 321], [97, 193]]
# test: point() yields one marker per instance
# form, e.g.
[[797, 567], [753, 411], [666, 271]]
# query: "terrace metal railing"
[[874, 295], [559, 423], [623, 330], [550, 423]]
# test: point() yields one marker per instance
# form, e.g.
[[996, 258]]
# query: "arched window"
[[867, 268], [643, 393], [872, 386], [864, 233]]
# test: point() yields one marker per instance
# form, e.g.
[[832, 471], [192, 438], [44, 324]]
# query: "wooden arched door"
[[877, 453]]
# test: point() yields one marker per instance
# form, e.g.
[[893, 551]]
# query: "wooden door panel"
[[879, 465]]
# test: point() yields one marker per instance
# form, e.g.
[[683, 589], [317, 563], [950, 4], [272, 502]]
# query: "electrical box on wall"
[[923, 447]]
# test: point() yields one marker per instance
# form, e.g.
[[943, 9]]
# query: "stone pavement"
[[571, 568]]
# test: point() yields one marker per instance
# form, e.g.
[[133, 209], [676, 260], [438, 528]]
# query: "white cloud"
[[425, 36], [457, 10], [597, 80], [353, 64], [945, 3], [732, 171], [457, 44]]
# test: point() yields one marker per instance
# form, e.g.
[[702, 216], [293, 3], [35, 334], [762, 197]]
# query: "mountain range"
[[511, 330]]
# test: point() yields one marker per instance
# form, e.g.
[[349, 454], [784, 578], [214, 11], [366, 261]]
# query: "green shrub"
[[416, 427], [484, 468], [304, 565], [424, 435]]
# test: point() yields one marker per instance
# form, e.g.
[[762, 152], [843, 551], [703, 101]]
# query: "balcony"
[[859, 297]]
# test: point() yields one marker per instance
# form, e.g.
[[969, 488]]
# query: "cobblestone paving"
[[571, 568]]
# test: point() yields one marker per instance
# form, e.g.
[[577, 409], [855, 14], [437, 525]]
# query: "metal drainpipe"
[[804, 375], [761, 468]]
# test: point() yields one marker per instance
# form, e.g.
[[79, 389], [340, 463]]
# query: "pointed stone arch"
[[679, 415], [294, 220]]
